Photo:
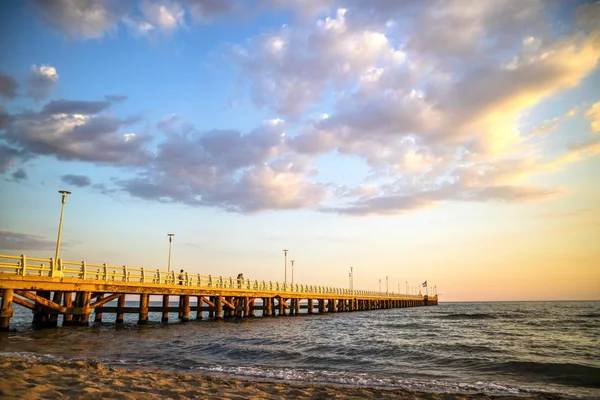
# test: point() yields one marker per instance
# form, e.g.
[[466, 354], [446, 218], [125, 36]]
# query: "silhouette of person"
[[180, 277]]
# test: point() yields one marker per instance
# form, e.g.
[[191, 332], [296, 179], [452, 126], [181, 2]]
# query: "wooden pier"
[[75, 290]]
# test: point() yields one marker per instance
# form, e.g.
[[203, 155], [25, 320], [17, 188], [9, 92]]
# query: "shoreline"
[[34, 379]]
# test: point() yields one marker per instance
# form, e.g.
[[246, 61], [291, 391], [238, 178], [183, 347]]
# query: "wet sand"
[[32, 379]]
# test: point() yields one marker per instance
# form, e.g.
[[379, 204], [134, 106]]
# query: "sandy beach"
[[31, 379]]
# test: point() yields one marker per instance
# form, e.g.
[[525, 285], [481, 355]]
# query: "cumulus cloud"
[[8, 86], [593, 114], [41, 79], [166, 15], [76, 180], [289, 69], [203, 10], [83, 18], [72, 130], [230, 170]]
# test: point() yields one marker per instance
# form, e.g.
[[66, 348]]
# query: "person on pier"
[[180, 277], [240, 280]]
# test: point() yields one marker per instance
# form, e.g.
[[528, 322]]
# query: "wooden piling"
[[97, 314], [185, 316], [143, 316], [120, 307], [165, 309], [199, 304], [85, 309], [68, 303], [310, 306], [6, 310]]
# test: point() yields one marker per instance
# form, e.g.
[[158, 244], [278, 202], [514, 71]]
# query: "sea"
[[507, 348]]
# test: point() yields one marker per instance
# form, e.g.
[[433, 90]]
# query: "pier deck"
[[76, 289]]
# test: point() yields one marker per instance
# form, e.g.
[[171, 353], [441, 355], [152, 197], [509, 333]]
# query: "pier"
[[76, 290]]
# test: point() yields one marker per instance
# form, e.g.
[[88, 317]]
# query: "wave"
[[562, 373], [314, 376], [590, 315], [467, 316]]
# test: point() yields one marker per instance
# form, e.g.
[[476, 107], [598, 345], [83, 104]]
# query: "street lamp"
[[64, 194], [406, 283], [285, 265], [379, 285], [387, 286], [351, 278], [292, 261], [170, 235]]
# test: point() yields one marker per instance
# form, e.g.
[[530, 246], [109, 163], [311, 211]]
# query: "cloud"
[[167, 16], [75, 107], [227, 169], [289, 69], [19, 175], [204, 10], [8, 86], [76, 180], [19, 241], [593, 114], [41, 81], [116, 99], [73, 130], [82, 18]]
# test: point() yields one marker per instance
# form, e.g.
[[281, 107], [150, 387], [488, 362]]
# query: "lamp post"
[[406, 283], [379, 285], [170, 235], [387, 286], [292, 261], [285, 265], [351, 278], [64, 194]]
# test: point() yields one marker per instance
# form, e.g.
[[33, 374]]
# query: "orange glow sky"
[[458, 147]]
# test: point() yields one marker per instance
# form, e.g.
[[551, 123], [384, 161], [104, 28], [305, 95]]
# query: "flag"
[[425, 284]]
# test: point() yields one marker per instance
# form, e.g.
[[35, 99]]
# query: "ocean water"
[[494, 348]]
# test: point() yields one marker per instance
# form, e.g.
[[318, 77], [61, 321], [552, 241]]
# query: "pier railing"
[[48, 267]]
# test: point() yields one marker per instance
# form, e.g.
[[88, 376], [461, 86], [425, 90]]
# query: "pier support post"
[[40, 313], [251, 306], [6, 310], [281, 307], [53, 314], [246, 307], [268, 306], [211, 310], [143, 315], [310, 306], [98, 315], [219, 304], [120, 307], [85, 309], [199, 304], [185, 314], [165, 309], [68, 303]]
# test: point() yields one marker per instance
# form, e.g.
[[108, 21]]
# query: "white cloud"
[[41, 80], [83, 18], [593, 114], [166, 15]]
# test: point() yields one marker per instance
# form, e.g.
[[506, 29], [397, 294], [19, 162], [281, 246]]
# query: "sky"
[[454, 142]]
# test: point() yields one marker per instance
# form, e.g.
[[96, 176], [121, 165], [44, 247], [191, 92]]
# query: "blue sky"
[[454, 142]]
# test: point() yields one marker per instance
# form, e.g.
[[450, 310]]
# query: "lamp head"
[[63, 192]]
